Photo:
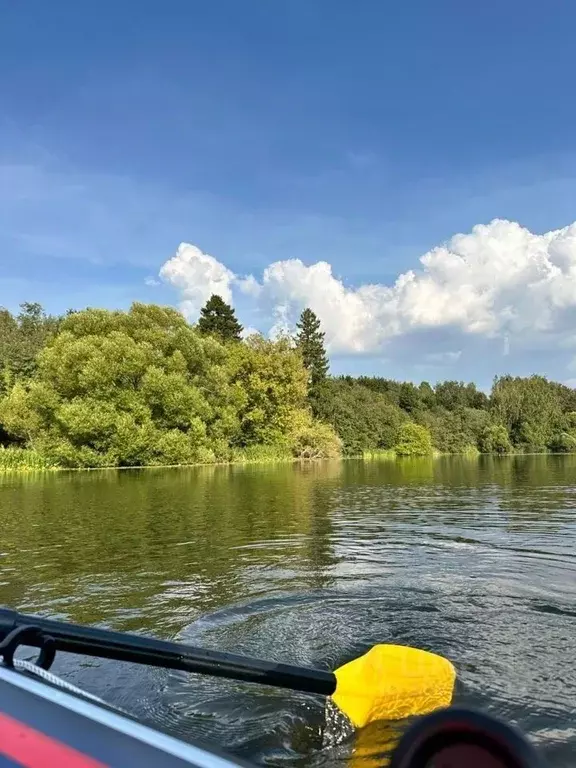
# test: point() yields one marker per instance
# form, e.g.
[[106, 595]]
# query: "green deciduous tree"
[[126, 388], [456, 394], [271, 380], [530, 409], [427, 395], [495, 439], [217, 318], [144, 387], [413, 440], [364, 419], [454, 431], [310, 439], [563, 442], [21, 339], [408, 397]]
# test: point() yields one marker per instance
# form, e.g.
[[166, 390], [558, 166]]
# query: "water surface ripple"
[[471, 558]]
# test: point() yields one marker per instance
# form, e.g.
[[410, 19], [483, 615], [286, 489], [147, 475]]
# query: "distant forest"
[[97, 388]]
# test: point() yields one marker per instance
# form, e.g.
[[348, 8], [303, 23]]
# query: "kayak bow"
[[42, 726]]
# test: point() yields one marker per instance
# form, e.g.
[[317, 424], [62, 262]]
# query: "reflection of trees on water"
[[154, 549], [534, 490], [524, 489], [405, 471]]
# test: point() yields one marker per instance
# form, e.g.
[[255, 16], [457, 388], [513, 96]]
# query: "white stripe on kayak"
[[187, 752]]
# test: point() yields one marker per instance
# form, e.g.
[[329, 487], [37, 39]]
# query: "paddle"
[[389, 682]]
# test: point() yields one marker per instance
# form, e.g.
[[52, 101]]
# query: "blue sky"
[[358, 134]]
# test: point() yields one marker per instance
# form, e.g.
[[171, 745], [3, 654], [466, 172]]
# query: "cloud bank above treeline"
[[498, 281]]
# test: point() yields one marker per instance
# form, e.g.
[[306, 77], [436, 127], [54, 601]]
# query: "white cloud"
[[197, 276], [498, 281], [249, 331]]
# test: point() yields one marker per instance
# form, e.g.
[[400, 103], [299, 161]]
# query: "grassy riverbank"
[[22, 460], [27, 460]]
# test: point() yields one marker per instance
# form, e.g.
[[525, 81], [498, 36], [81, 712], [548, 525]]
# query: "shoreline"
[[376, 455]]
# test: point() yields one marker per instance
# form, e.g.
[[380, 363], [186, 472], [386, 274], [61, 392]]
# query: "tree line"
[[141, 387]]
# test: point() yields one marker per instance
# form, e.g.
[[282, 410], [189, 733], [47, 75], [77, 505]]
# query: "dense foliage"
[[113, 388], [414, 440], [521, 414], [365, 420], [21, 339], [144, 387]]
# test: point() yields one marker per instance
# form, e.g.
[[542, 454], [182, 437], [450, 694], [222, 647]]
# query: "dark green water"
[[474, 559]]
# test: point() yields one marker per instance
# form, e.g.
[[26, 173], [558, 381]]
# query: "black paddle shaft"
[[119, 646]]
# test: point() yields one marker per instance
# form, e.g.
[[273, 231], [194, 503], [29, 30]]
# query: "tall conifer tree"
[[310, 342], [219, 319]]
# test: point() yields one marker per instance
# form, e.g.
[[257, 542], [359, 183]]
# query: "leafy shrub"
[[316, 441], [363, 419], [563, 442], [413, 440], [495, 439], [454, 431]]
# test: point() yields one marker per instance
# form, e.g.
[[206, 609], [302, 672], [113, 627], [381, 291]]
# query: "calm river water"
[[472, 558]]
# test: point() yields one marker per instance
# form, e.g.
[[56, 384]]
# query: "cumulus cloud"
[[197, 276], [498, 281]]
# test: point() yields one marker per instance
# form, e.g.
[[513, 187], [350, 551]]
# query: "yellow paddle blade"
[[392, 682]]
